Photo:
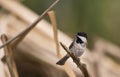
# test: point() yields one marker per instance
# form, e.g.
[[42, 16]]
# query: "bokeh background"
[[35, 56], [96, 17]]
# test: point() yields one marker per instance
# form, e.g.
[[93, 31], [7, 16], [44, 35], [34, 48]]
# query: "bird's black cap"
[[82, 34]]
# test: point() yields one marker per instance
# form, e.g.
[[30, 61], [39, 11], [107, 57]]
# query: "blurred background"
[[36, 54], [96, 17]]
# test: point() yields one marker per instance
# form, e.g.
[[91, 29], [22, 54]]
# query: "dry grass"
[[41, 45]]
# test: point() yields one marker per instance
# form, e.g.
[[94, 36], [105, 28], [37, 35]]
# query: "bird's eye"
[[79, 40]]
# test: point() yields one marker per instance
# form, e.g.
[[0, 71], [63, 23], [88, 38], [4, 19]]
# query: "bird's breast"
[[78, 49]]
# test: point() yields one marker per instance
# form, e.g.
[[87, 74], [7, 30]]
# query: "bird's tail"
[[63, 60]]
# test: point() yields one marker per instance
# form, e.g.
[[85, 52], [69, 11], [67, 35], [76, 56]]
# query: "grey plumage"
[[63, 60], [77, 47]]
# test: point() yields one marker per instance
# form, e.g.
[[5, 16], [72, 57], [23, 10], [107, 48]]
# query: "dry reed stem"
[[80, 65], [68, 70], [8, 59], [22, 34], [54, 25]]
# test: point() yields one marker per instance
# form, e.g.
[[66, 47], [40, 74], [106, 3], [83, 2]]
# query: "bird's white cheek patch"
[[83, 39]]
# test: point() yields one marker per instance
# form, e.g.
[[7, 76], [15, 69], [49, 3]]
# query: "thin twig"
[[80, 65], [22, 34], [9, 58]]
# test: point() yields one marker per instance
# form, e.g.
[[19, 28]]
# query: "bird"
[[77, 47]]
